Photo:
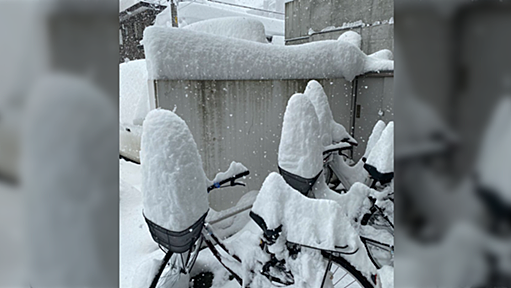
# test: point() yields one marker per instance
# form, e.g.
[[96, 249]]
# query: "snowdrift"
[[181, 54], [331, 131], [232, 27], [318, 223], [173, 181], [300, 146]]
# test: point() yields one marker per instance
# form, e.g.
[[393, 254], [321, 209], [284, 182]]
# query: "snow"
[[374, 137], [234, 169], [352, 37], [300, 147], [384, 54], [133, 92], [493, 169], [181, 54], [190, 12], [173, 181], [317, 223], [234, 224], [386, 276], [330, 131], [382, 155], [234, 27]]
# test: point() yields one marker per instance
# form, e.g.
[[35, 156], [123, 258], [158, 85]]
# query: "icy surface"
[[382, 154], [173, 181], [374, 137], [234, 169], [330, 131], [233, 27], [173, 53], [133, 92], [300, 147]]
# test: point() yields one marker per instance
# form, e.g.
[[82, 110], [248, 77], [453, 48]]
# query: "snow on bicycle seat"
[[300, 148], [315, 223], [373, 138], [330, 131], [173, 181], [380, 162]]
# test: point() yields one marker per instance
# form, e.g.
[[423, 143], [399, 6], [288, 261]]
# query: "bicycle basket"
[[304, 185], [177, 242]]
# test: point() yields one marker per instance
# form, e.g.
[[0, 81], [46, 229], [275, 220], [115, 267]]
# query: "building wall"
[[305, 20], [131, 29], [242, 120]]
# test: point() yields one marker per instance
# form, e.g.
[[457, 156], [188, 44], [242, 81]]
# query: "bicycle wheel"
[[341, 274]]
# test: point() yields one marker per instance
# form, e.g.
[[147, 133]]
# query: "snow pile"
[[374, 137], [493, 164], [386, 276], [317, 223], [133, 92], [382, 155], [234, 169], [351, 37], [310, 222], [353, 203], [330, 131], [300, 145], [233, 27], [181, 54], [173, 182]]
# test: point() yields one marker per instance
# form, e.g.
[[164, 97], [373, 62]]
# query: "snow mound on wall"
[[311, 222], [173, 181], [133, 92], [232, 27], [352, 37], [374, 137], [181, 54], [382, 155], [300, 145], [330, 131]]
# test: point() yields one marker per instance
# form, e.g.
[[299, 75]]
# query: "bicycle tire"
[[349, 269]]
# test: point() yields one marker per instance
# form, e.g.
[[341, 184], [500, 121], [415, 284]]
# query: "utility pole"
[[173, 12]]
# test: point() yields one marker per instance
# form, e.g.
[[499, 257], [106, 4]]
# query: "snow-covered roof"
[[194, 11], [125, 4]]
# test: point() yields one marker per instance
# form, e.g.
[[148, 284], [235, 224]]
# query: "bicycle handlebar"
[[231, 180]]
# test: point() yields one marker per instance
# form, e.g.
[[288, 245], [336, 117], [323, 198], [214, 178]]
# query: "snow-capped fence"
[[242, 119]]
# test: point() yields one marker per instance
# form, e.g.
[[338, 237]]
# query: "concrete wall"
[[376, 32], [242, 120]]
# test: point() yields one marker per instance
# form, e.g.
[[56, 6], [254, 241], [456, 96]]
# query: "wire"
[[247, 7]]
